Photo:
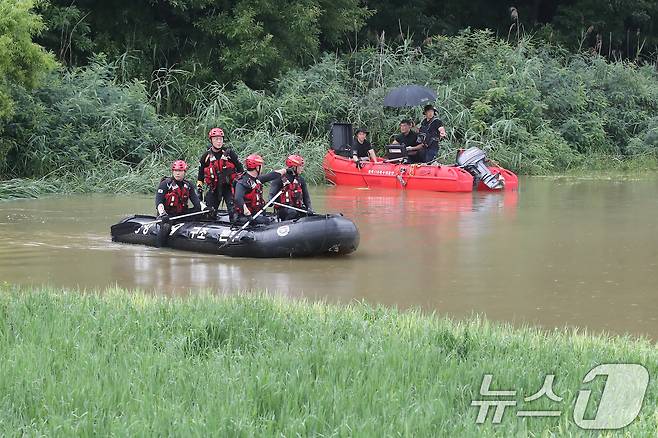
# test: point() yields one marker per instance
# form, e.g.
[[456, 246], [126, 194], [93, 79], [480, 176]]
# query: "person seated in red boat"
[[431, 127], [248, 199], [409, 139], [361, 148], [172, 198], [294, 198]]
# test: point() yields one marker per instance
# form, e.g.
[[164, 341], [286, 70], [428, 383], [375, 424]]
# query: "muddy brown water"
[[566, 252]]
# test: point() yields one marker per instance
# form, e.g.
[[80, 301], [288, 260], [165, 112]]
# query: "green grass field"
[[124, 363]]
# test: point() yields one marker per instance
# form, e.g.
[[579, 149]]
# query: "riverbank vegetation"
[[535, 107], [126, 363]]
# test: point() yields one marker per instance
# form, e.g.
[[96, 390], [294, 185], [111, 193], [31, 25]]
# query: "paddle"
[[131, 227], [270, 202], [358, 166], [177, 217], [295, 208]]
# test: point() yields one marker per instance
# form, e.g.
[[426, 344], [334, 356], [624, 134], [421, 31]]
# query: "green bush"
[[22, 63], [79, 119], [532, 107]]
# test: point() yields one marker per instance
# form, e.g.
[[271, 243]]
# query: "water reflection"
[[555, 253]]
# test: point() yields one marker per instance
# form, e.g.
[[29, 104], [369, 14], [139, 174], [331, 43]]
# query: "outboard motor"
[[472, 160]]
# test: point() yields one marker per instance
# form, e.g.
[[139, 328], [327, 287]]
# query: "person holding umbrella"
[[432, 132], [409, 96]]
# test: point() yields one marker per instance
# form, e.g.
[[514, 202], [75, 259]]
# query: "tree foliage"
[[22, 62], [224, 40], [81, 119], [622, 28], [533, 105]]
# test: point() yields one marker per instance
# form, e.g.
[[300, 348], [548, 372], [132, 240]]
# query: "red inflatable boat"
[[341, 170]]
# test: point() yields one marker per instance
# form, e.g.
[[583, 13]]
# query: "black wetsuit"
[[224, 189], [245, 185], [167, 185], [284, 213]]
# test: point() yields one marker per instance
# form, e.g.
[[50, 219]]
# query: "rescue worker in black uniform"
[[219, 167], [433, 132], [409, 139], [249, 191], [361, 147], [172, 198], [295, 192]]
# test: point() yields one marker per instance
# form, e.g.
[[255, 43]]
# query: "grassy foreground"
[[129, 364]]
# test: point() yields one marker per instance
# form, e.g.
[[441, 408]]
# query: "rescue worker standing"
[[295, 191], [434, 132], [249, 191], [219, 167], [172, 198]]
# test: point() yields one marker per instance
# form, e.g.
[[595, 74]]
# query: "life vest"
[[253, 197], [176, 196], [217, 170], [292, 194]]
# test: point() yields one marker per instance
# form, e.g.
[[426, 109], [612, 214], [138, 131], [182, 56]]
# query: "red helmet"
[[216, 132], [253, 161], [179, 165], [294, 160]]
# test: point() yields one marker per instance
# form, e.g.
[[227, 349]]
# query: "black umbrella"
[[409, 95]]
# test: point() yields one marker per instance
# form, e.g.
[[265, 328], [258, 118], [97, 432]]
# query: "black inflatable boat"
[[316, 235]]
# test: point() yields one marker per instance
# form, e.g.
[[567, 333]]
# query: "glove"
[[210, 213], [164, 217], [310, 211], [359, 164]]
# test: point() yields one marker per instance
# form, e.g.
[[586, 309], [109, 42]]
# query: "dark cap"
[[406, 122], [429, 107], [361, 130]]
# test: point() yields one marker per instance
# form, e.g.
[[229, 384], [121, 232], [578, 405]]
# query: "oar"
[[358, 166], [294, 208], [270, 202], [131, 227], [177, 217]]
